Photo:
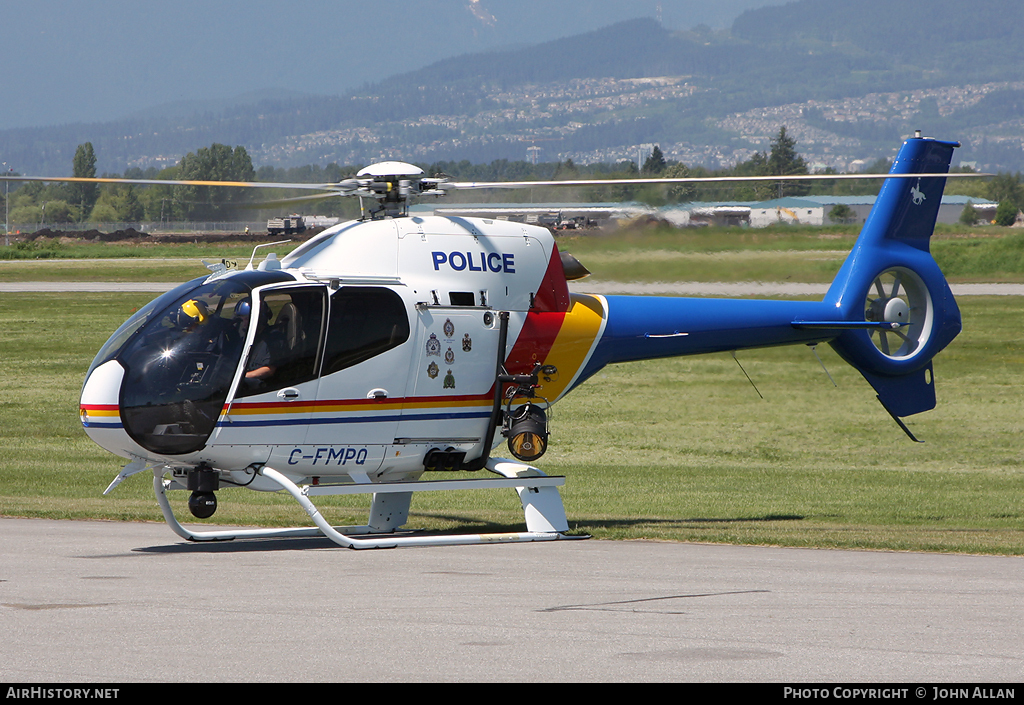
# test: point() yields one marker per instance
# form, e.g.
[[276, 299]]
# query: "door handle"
[[289, 394], [377, 394]]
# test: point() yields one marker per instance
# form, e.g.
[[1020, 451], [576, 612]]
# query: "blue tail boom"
[[888, 312]]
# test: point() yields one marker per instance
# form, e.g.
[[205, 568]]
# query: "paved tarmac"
[[91, 602], [115, 602]]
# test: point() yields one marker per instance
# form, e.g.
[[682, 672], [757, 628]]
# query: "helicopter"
[[398, 346]]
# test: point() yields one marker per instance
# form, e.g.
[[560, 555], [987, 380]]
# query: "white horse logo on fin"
[[917, 193]]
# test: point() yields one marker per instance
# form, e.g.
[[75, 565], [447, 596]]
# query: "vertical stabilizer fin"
[[891, 278]]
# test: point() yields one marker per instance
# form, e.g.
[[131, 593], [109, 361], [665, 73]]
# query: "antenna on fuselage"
[[248, 267], [814, 349], [746, 375]]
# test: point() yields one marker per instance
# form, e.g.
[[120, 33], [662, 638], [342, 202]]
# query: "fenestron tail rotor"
[[899, 296]]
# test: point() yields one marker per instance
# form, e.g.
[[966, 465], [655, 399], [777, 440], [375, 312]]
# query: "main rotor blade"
[[459, 185], [282, 202], [341, 186], [352, 187]]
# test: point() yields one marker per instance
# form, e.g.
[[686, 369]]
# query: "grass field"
[[680, 449], [780, 254], [799, 254]]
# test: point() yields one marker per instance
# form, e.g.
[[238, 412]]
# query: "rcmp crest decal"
[[434, 346]]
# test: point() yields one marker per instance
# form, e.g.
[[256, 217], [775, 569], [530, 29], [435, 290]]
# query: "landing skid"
[[538, 493]]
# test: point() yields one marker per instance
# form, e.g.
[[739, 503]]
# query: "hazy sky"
[[70, 61]]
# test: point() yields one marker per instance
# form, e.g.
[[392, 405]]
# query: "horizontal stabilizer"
[[846, 325]]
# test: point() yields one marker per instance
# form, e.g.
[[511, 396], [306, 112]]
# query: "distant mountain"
[[950, 37], [73, 61], [848, 79]]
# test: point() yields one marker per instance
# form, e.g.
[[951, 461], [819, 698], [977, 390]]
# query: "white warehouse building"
[[814, 210]]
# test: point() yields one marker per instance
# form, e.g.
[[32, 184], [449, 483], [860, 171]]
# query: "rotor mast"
[[392, 184]]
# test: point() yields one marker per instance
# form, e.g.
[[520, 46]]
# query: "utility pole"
[[7, 207]]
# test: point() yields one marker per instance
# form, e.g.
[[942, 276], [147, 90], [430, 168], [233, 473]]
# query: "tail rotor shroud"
[[900, 297]]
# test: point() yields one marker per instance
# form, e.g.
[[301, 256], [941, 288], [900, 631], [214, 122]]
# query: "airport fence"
[[182, 227]]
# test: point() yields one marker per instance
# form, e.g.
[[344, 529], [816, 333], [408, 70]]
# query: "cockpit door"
[[362, 383], [277, 385]]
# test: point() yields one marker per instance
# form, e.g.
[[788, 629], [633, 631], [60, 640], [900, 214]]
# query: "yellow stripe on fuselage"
[[573, 344], [100, 412]]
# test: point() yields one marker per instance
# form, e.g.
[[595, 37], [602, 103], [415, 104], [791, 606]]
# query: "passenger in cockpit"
[[260, 365]]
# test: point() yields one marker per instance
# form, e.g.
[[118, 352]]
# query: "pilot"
[[218, 333], [193, 313], [259, 367]]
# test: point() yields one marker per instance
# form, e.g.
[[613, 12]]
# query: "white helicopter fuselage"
[[397, 320]]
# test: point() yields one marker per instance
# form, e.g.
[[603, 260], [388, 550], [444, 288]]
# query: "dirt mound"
[[133, 235]]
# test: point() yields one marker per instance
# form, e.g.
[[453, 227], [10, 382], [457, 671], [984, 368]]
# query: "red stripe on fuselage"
[[543, 321], [534, 341], [553, 293], [271, 406]]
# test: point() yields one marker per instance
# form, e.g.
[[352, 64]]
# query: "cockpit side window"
[[364, 322]]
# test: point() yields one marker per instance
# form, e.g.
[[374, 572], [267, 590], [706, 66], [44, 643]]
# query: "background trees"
[[841, 213], [655, 163], [969, 215], [215, 163], [39, 203], [83, 196], [784, 160], [1008, 192], [1006, 213]]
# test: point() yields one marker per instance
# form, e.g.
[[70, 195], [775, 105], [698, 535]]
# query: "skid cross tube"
[[542, 507]]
